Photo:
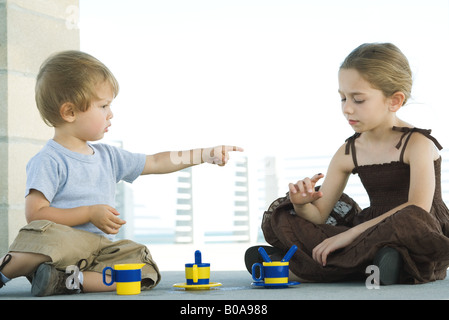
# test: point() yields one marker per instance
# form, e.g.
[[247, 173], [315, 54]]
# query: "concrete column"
[[30, 30]]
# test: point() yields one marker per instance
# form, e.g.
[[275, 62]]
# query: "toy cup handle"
[[253, 269], [195, 273], [104, 276]]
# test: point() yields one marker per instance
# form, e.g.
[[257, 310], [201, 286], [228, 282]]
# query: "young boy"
[[71, 183]]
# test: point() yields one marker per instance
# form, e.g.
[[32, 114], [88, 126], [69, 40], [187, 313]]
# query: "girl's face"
[[364, 107], [94, 123]]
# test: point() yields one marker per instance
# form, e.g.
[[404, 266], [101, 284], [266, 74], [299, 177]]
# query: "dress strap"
[[350, 143], [408, 132]]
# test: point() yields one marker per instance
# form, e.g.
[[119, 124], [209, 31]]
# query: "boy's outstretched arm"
[[171, 161]]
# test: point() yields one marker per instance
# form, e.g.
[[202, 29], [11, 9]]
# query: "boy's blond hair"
[[69, 76]]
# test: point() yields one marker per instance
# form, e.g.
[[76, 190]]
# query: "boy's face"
[[92, 124]]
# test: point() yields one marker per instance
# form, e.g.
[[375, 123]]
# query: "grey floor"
[[236, 285]]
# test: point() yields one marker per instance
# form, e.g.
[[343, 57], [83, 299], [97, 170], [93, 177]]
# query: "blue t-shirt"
[[69, 179]]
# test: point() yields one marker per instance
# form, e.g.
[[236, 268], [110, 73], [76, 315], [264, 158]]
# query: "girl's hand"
[[219, 155], [303, 191], [341, 240]]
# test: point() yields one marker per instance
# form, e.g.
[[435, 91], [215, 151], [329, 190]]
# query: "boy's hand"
[[105, 218], [219, 155]]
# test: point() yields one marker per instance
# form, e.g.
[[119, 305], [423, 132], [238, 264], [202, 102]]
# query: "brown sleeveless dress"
[[421, 237]]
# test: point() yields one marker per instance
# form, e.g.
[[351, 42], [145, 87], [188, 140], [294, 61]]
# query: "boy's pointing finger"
[[233, 148]]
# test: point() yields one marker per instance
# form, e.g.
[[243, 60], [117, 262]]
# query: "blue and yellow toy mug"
[[127, 276], [197, 274], [271, 272]]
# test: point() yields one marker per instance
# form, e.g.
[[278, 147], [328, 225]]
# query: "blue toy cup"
[[271, 272], [127, 276], [197, 273]]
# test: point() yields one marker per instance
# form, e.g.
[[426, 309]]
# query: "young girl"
[[405, 229]]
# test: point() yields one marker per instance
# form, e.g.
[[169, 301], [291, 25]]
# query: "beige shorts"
[[66, 246]]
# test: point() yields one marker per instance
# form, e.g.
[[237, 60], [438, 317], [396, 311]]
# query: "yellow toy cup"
[[197, 273], [271, 272], [127, 276]]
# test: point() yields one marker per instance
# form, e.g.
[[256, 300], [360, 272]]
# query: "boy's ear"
[[397, 100], [67, 112]]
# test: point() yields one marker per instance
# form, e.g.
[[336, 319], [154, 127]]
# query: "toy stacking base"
[[197, 286], [274, 285]]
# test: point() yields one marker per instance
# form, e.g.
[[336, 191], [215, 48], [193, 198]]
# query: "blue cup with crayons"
[[273, 274]]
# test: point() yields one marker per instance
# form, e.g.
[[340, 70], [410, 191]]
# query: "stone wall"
[[30, 30]]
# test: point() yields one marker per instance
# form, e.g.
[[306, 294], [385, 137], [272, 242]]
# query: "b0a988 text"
[[245, 309]]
